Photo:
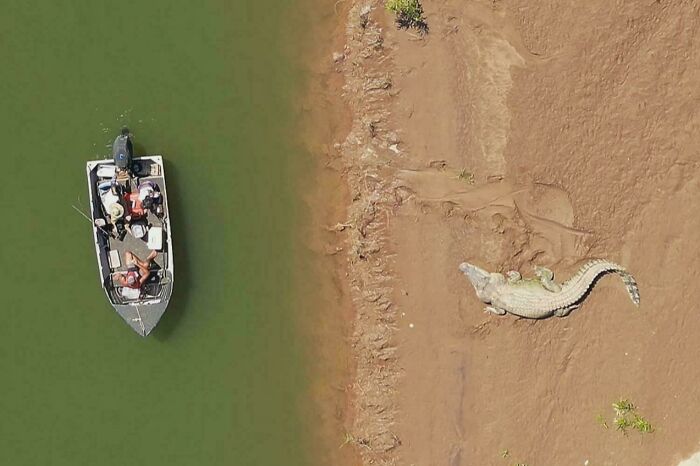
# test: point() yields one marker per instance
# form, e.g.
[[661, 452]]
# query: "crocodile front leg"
[[495, 310], [546, 277], [513, 276]]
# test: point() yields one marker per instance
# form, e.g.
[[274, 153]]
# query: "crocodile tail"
[[630, 285], [587, 274]]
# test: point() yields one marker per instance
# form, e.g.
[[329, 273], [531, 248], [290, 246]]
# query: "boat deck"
[[117, 246], [139, 246]]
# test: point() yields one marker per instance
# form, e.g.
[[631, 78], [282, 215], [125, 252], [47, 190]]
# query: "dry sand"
[[513, 134]]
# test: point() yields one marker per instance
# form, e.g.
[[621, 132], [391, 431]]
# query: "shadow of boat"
[[181, 296]]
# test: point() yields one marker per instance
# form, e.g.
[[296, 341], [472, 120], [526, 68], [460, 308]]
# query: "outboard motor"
[[122, 150]]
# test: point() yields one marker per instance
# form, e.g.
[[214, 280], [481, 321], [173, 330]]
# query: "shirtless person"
[[137, 272]]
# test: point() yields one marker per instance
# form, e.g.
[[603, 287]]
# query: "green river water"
[[210, 85]]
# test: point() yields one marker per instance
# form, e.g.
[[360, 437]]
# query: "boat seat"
[[106, 171], [114, 260], [129, 293], [151, 288]]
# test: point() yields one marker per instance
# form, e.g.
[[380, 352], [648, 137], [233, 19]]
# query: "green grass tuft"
[[622, 423], [626, 417], [601, 420], [409, 14], [466, 176], [642, 425], [623, 407]]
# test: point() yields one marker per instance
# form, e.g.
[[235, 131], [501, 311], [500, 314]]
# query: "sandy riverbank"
[[514, 135]]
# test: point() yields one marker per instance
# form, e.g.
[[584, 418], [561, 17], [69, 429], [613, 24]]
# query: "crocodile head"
[[479, 279]]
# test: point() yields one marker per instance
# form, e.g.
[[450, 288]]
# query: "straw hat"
[[116, 210]]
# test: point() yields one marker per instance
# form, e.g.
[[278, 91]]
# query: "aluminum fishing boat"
[[132, 234]]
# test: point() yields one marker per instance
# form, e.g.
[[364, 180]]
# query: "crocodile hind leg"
[[565, 311], [513, 276], [495, 310], [546, 277]]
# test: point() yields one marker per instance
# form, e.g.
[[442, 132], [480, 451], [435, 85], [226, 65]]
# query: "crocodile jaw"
[[479, 278]]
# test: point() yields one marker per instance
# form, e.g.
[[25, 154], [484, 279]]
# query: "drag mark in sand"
[[485, 79]]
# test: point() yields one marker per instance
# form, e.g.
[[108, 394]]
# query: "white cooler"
[[155, 238]]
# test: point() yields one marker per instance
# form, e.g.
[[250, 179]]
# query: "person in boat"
[[146, 197], [113, 208], [137, 272], [149, 196], [116, 214]]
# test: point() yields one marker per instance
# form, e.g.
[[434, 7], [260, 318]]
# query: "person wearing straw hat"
[[116, 213]]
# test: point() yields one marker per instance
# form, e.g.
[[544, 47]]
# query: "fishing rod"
[[88, 219]]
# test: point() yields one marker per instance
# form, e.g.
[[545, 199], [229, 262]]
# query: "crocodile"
[[540, 297]]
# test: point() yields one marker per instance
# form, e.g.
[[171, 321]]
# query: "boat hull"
[[143, 312]]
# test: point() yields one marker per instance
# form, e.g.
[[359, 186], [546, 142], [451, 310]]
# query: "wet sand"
[[515, 135], [325, 310]]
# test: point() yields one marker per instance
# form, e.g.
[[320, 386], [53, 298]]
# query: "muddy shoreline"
[[512, 136]]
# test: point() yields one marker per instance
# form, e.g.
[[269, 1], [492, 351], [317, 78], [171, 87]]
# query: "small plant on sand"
[[409, 14], [642, 425], [626, 417], [622, 423], [505, 453], [351, 439], [601, 420], [623, 407], [466, 176]]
